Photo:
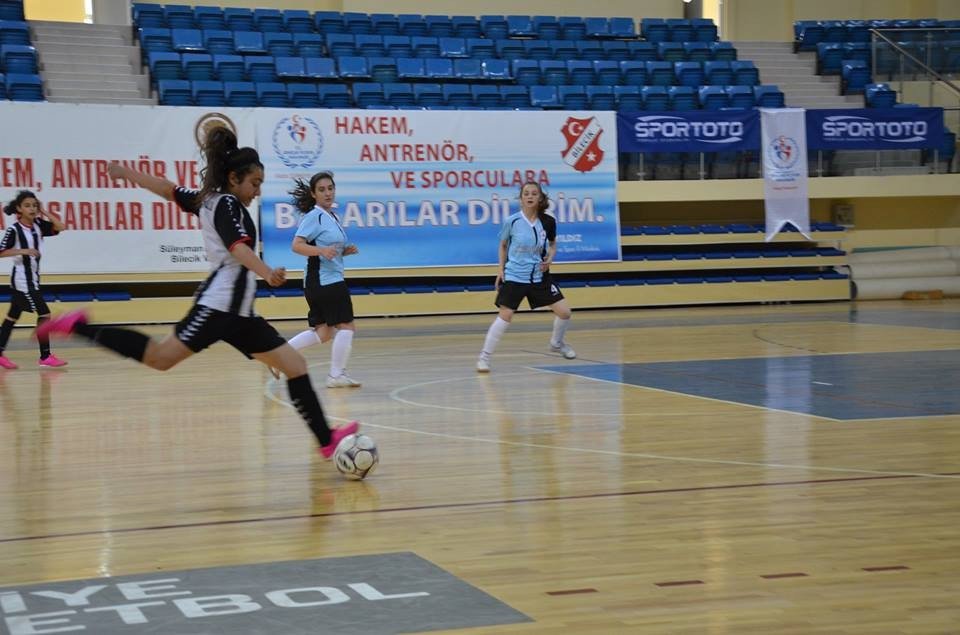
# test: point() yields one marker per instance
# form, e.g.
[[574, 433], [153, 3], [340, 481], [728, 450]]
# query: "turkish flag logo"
[[583, 151]]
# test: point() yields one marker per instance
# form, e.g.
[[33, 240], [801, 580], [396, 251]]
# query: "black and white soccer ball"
[[356, 456]]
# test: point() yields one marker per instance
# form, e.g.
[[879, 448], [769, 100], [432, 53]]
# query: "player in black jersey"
[[24, 241], [223, 305]]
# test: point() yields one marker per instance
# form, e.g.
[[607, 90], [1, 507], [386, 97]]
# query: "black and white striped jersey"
[[224, 222], [25, 275]]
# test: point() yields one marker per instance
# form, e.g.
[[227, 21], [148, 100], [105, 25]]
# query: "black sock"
[[126, 342], [5, 330], [305, 400], [43, 341]]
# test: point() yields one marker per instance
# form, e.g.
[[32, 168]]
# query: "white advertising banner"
[[61, 152], [784, 144]]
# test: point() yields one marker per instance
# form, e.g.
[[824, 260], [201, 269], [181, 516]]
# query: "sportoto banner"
[[61, 152], [694, 131], [431, 188], [874, 128]]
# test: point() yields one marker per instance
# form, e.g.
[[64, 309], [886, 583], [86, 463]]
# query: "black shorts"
[[329, 304], [204, 326], [31, 302], [543, 293]]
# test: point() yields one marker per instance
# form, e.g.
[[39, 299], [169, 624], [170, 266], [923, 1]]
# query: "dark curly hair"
[[302, 191], [11, 208], [223, 159]]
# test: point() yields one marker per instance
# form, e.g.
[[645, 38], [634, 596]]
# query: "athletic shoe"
[[343, 381], [336, 436], [6, 363], [52, 361], [483, 365], [564, 349], [62, 324]]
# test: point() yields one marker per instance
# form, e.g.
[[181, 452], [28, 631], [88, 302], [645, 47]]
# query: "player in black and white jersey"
[[223, 306], [23, 241], [528, 244]]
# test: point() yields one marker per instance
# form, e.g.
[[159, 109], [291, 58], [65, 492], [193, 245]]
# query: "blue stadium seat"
[[272, 94], [509, 49], [369, 96], [279, 44], [412, 25], [807, 34], [563, 50], [453, 47], [744, 73], [152, 40], [397, 46], [428, 95], [680, 29], [384, 24], [514, 96], [327, 22], [697, 51], [545, 97], [520, 26], [861, 51], [682, 98], [24, 87], [547, 27], [303, 96], [633, 73], [209, 18], [218, 42], [174, 92], [834, 31], [240, 94], [179, 16], [466, 26], [597, 27], [723, 51], [659, 73], [717, 73], [198, 66], [248, 43], [496, 70], [616, 50], [740, 96], [308, 44], [383, 69], [552, 72], [655, 98], [291, 68], [578, 72], [357, 23], [437, 68], [481, 48], [410, 69], [438, 26], [268, 20], [624, 28], [353, 67], [260, 68], [486, 95], [163, 65], [425, 46], [704, 30], [457, 95], [713, 98], [688, 73], [320, 68], [855, 76], [494, 27], [829, 58], [573, 97], [239, 19], [671, 52], [148, 16], [629, 98], [207, 93], [230, 68], [768, 96], [526, 72], [297, 21], [601, 98], [589, 50], [334, 96], [606, 73], [642, 51], [654, 30], [468, 69], [399, 94], [340, 44], [370, 45], [879, 96]]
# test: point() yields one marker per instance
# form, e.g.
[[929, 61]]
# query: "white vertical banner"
[[784, 142]]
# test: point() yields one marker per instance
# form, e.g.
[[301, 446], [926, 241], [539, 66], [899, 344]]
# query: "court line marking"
[[636, 455]]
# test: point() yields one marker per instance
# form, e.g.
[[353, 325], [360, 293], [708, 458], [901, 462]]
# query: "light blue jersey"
[[527, 244], [321, 229]]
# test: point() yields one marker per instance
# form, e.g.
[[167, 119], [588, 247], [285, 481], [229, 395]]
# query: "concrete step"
[[47, 40], [86, 68], [96, 94], [127, 83], [93, 77], [54, 59], [104, 100]]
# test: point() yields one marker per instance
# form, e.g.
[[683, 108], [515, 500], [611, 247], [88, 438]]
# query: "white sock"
[[494, 333], [305, 339], [559, 330], [340, 351]]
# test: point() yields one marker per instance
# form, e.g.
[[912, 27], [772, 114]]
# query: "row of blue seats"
[[572, 283], [943, 56], [301, 21], [463, 96], [335, 45], [21, 87], [712, 228], [808, 33], [261, 68]]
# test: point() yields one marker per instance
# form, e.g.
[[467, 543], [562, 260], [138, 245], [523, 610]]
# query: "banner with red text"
[[430, 188], [61, 152]]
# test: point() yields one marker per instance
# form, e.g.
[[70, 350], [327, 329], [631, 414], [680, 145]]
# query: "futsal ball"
[[356, 456]]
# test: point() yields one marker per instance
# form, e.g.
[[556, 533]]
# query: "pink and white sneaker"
[[336, 436], [52, 361], [6, 363], [62, 324]]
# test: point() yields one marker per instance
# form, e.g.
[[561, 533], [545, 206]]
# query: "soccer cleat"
[[564, 349], [483, 365], [62, 324], [336, 436], [52, 361], [343, 381], [6, 363]]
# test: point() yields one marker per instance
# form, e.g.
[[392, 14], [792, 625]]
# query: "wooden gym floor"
[[761, 469]]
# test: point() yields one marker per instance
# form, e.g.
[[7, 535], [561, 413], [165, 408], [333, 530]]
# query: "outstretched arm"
[[249, 259], [161, 187]]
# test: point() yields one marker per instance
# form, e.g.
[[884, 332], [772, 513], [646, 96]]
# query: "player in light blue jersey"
[[322, 239], [528, 244]]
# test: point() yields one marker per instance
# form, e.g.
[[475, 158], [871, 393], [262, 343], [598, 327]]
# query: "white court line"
[[636, 455]]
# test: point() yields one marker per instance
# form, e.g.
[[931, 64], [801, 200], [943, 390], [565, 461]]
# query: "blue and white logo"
[[783, 152], [860, 129], [297, 141], [671, 128]]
